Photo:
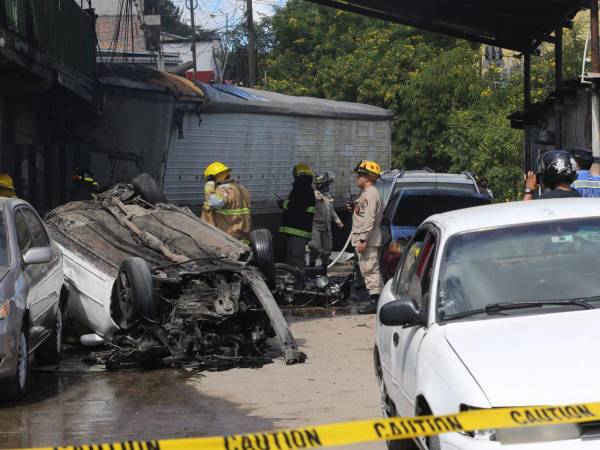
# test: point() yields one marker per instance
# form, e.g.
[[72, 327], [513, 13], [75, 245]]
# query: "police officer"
[[226, 202], [366, 232], [586, 184], [557, 170], [298, 213], [83, 185], [322, 238], [7, 187]]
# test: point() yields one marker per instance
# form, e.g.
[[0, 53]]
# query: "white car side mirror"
[[37, 255]]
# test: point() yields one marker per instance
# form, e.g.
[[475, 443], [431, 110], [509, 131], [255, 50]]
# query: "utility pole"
[[595, 170], [193, 24], [251, 45]]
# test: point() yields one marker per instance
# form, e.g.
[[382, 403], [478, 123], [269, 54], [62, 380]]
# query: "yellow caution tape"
[[348, 433]]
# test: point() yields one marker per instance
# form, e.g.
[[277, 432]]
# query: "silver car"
[[31, 283]]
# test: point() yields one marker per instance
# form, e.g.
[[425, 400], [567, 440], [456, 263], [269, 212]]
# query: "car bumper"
[[8, 348], [455, 441]]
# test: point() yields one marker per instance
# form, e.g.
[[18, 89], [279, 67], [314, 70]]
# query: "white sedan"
[[495, 306]]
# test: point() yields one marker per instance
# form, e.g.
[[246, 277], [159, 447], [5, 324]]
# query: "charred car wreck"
[[162, 287]]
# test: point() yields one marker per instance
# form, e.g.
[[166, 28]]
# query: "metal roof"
[[520, 25], [224, 98]]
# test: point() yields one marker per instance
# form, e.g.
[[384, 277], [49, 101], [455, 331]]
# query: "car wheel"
[[148, 189], [388, 410], [433, 443], [134, 292], [262, 251], [15, 387], [50, 351]]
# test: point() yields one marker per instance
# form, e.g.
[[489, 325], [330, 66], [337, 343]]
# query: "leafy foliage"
[[448, 114]]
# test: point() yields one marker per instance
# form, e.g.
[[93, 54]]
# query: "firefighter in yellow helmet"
[[226, 202], [366, 232], [7, 187], [298, 215]]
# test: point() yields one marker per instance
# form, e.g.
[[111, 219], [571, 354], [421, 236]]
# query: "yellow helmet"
[[368, 168], [215, 169], [6, 182], [303, 169]]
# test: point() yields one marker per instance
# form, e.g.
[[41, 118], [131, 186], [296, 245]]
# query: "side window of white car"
[[414, 279]]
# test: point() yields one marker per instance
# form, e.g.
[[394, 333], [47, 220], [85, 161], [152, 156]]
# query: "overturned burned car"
[[160, 285]]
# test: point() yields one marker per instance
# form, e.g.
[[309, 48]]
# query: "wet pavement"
[[77, 408]]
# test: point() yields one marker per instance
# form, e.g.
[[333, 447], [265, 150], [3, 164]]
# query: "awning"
[[520, 25]]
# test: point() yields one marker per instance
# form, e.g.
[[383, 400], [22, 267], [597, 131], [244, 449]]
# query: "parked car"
[[495, 306], [411, 197], [164, 286], [31, 282]]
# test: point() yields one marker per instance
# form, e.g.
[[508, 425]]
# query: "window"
[[546, 261], [36, 227], [23, 236], [4, 258], [414, 279]]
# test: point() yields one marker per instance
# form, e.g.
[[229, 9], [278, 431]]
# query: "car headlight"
[[529, 435], [322, 282], [546, 433], [4, 310]]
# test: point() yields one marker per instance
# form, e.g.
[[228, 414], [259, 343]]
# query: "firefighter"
[[366, 232], [226, 203], [7, 187], [83, 185], [322, 238], [298, 214]]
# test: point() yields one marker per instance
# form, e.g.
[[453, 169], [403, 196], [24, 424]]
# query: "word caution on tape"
[[347, 433]]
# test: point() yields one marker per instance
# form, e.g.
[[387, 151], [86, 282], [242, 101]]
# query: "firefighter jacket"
[[366, 220], [228, 208], [299, 210], [324, 212]]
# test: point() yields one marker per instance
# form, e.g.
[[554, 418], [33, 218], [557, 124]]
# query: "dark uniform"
[[298, 214]]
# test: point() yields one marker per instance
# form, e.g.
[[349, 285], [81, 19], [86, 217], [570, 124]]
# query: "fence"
[[59, 27]]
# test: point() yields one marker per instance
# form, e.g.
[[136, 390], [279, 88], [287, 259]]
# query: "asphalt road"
[[76, 407]]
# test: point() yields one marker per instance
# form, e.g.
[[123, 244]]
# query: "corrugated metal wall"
[[262, 149]]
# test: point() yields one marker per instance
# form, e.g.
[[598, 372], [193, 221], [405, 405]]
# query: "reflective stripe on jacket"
[[234, 217], [299, 210]]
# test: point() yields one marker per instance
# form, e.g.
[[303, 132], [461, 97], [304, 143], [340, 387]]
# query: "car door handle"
[[396, 339]]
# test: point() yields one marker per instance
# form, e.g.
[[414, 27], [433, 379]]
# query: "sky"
[[213, 14]]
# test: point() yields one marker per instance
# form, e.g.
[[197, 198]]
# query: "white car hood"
[[540, 359]]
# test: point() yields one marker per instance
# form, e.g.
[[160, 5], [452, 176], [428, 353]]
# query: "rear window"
[[414, 207]]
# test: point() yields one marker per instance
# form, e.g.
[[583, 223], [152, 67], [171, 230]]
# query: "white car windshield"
[[508, 268]]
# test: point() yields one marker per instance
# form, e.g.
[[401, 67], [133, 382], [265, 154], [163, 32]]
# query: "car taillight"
[[396, 247]]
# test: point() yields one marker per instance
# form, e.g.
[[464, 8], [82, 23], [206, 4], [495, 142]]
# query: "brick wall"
[[106, 27]]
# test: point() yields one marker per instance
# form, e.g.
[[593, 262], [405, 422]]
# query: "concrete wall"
[[575, 109], [130, 136]]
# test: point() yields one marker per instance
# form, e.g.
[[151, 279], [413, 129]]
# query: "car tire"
[[433, 443], [14, 388], [148, 189], [50, 351], [282, 269], [134, 290], [262, 251]]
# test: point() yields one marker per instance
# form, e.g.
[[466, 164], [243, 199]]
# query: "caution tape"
[[348, 433]]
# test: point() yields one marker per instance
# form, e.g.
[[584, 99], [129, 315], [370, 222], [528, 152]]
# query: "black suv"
[[411, 197]]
